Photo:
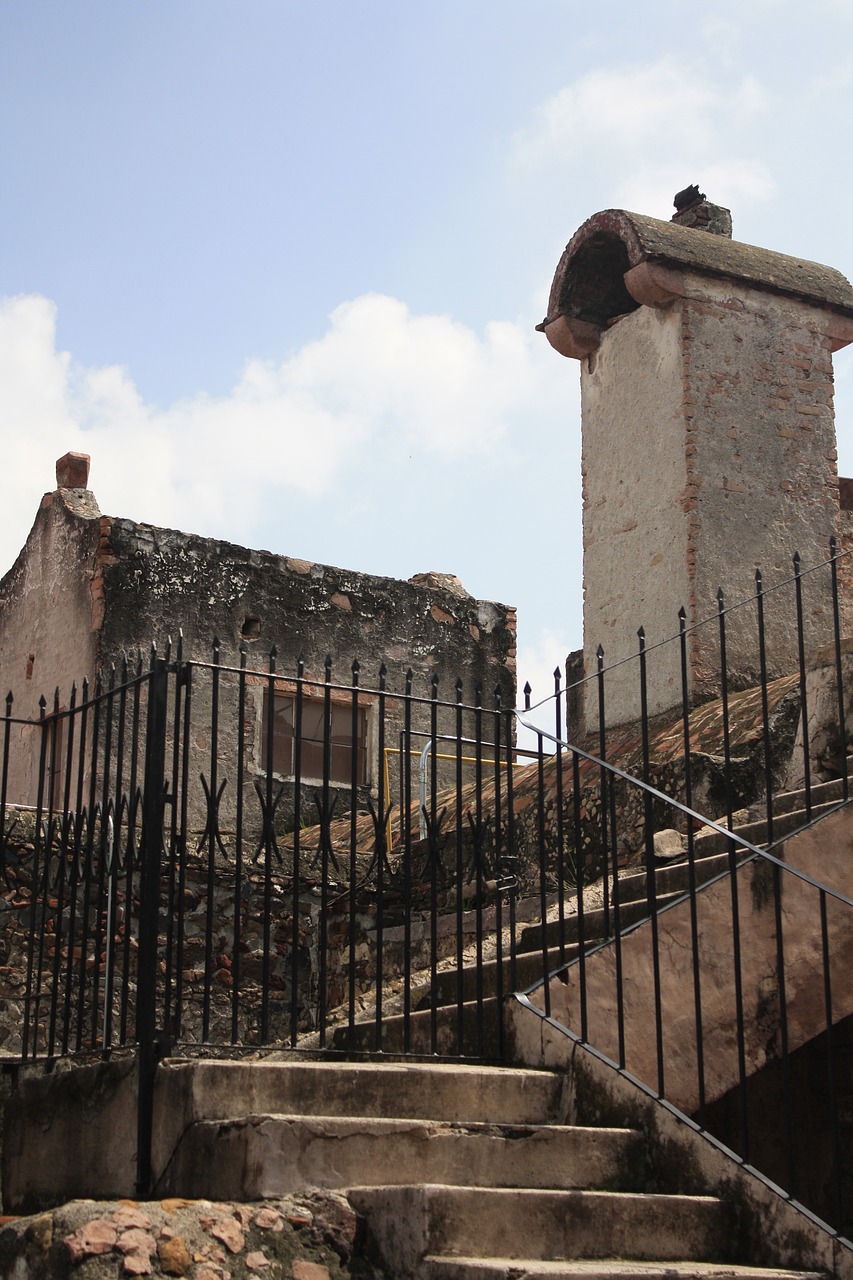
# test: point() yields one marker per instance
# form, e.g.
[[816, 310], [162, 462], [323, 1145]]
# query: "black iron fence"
[[202, 854]]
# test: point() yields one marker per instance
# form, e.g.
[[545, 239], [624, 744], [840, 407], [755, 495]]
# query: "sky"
[[277, 265]]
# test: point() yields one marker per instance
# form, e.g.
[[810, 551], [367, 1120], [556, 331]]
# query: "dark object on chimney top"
[[683, 199]]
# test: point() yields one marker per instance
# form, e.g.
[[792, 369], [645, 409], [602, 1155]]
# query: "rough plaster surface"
[[634, 476], [89, 591], [823, 853], [708, 451], [770, 1231], [47, 628]]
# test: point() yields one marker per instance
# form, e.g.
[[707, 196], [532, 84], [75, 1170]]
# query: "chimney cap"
[[690, 195], [72, 471]]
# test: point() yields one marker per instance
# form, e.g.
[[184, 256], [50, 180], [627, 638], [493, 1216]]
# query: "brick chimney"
[[72, 471], [708, 434], [693, 209]]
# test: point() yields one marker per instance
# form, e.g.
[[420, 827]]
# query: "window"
[[53, 762], [313, 737]]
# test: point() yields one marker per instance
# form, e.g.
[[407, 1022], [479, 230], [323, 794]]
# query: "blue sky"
[[276, 265]]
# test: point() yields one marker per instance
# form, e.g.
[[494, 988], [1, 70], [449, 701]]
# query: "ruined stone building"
[[708, 436], [89, 591]]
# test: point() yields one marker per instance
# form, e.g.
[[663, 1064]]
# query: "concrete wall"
[[635, 531], [89, 591], [770, 1230], [822, 852], [708, 452], [49, 619], [763, 481]]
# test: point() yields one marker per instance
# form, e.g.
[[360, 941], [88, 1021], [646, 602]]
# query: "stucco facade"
[[709, 444], [89, 591]]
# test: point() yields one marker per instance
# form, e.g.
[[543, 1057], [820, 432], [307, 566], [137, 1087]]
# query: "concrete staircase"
[[472, 1027], [459, 1171]]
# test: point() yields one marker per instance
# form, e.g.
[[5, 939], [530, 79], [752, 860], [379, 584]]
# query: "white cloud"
[[674, 104], [643, 132], [380, 376], [729, 183]]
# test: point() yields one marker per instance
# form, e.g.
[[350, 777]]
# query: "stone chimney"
[[708, 435], [693, 209], [72, 471]]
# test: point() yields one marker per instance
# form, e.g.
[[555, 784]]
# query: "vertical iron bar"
[[353, 863], [839, 673], [834, 1127], [433, 862], [172, 875], [512, 852], [479, 854], [561, 860], [297, 835], [182, 845], [501, 867], [76, 868], [608, 809], [460, 950], [543, 871], [765, 711], [66, 835], [381, 854], [579, 873], [236, 937], [30, 1001], [149, 910], [651, 873], [269, 762], [788, 1101], [103, 854], [736, 945], [324, 860], [605, 785], [406, 820], [691, 866], [804, 706], [88, 863], [212, 830], [132, 852]]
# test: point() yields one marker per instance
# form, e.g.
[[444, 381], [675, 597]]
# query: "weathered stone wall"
[[635, 528], [709, 451], [89, 591], [763, 483], [48, 621]]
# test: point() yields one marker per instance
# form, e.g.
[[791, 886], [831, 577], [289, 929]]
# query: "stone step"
[[673, 878], [528, 969], [450, 1268], [630, 913], [453, 1092], [407, 1223], [821, 793], [479, 1039], [710, 842], [256, 1157]]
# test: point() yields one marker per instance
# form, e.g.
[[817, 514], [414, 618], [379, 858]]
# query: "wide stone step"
[[448, 1268], [265, 1156], [218, 1090], [528, 969], [408, 1223], [674, 878], [593, 925], [821, 793], [469, 1032], [784, 824]]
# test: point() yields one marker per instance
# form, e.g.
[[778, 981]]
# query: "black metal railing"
[[213, 854]]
